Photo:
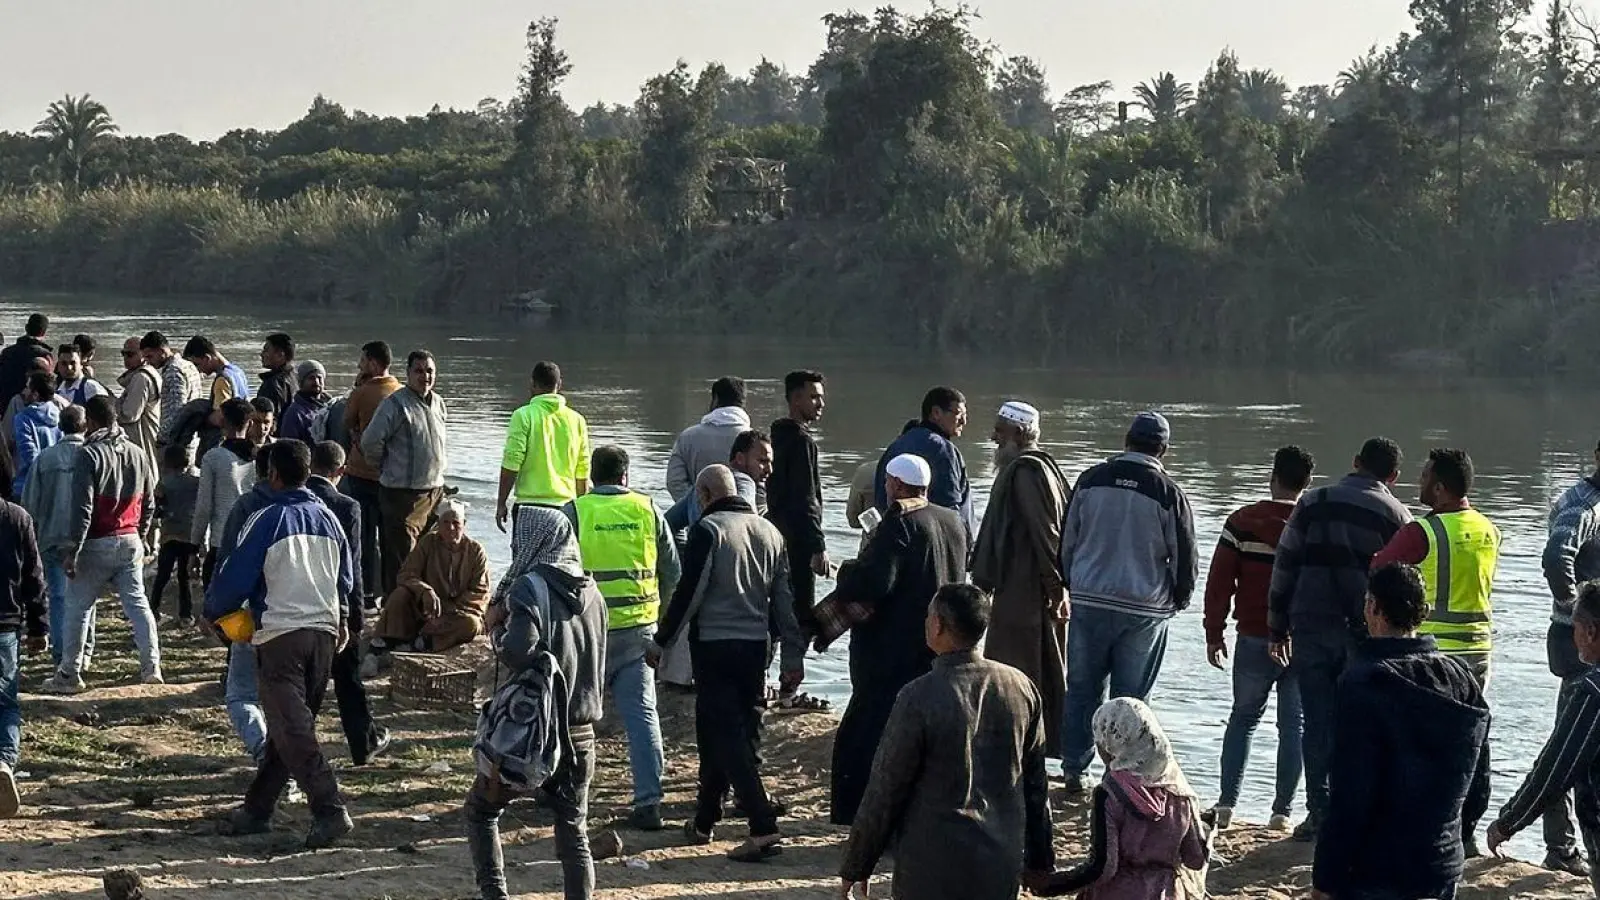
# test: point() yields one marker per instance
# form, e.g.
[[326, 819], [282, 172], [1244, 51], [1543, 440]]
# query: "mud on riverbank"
[[128, 776]]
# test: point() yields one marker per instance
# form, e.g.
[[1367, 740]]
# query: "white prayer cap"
[[452, 509], [1020, 413], [910, 469]]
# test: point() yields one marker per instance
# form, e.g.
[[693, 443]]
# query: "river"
[[639, 391]]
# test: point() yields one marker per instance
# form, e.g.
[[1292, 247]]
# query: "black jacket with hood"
[[794, 489], [278, 387], [1411, 730], [575, 632]]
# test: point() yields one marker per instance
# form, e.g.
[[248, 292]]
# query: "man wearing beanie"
[[1129, 565], [306, 418]]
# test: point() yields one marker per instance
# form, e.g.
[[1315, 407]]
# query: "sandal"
[[753, 851], [799, 702]]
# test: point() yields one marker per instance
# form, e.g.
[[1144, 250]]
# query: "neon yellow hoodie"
[[547, 445]]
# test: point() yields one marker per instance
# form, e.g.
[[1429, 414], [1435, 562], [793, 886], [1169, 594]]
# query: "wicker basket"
[[431, 680]]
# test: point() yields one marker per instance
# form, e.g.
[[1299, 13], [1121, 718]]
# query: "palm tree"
[[1264, 94], [73, 125], [1164, 96]]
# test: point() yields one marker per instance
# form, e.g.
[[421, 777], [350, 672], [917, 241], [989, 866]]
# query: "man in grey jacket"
[[406, 442], [555, 606], [708, 442], [1129, 565], [48, 499], [735, 588]]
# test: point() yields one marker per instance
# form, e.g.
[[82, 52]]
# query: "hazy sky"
[[201, 67]]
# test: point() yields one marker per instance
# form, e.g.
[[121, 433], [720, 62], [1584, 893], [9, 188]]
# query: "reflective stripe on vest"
[[617, 537], [1458, 574]]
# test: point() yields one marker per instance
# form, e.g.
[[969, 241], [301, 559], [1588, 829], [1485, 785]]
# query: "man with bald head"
[[735, 585]]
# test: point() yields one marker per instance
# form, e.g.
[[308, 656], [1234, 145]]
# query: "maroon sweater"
[[1241, 569]]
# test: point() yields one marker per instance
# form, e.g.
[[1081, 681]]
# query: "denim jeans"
[[633, 688], [569, 801], [10, 710], [55, 588], [1254, 676], [1317, 660], [243, 697], [119, 562], [1104, 645]]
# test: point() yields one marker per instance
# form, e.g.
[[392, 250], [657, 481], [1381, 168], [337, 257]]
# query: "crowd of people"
[[325, 540]]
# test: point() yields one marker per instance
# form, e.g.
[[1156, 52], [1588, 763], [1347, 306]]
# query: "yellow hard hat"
[[239, 626]]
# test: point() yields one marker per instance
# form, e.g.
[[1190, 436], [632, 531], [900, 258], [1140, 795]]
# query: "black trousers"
[[355, 712], [803, 582], [730, 684], [292, 677], [365, 493], [174, 557]]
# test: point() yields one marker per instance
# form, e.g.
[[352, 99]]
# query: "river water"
[[639, 391]]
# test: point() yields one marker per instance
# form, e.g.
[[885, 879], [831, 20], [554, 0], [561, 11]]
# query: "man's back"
[[961, 748], [291, 564], [547, 445], [1319, 576], [1411, 725], [113, 486], [1128, 545]]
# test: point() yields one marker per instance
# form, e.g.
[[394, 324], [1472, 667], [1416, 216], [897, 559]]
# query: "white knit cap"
[[452, 509], [1020, 413], [910, 469]]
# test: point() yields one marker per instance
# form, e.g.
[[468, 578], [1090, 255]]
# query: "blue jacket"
[[291, 567], [950, 488], [1128, 543], [1411, 732], [37, 429]]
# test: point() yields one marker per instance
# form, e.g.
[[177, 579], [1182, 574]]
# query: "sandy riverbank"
[[128, 776]]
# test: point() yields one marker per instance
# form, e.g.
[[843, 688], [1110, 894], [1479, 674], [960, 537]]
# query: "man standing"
[[278, 384], [113, 501], [76, 385], [959, 784], [405, 441], [917, 549], [1570, 760], [1411, 730], [306, 417], [366, 740], [180, 381], [733, 595], [23, 357], [750, 458], [374, 384], [49, 501], [227, 380], [1319, 580], [1457, 549], [630, 554], [1128, 555], [707, 443], [1241, 573], [794, 489], [944, 417], [292, 570], [22, 601], [546, 459], [1018, 561], [139, 408], [553, 606], [1571, 558]]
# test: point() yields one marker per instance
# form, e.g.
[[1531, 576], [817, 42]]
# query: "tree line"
[[1431, 200]]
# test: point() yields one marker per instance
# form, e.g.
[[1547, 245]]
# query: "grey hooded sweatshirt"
[[575, 631]]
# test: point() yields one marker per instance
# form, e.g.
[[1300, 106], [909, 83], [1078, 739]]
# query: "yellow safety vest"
[[617, 537], [1463, 550]]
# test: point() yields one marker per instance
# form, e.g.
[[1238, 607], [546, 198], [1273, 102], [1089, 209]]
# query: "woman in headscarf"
[[547, 603], [1147, 842]]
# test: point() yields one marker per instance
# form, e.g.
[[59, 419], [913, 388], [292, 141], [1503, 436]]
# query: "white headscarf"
[[1129, 733]]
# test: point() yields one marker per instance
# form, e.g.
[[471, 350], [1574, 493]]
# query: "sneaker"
[[186, 622], [646, 818], [380, 745], [1571, 862], [1218, 817], [292, 794], [243, 822], [62, 683], [1469, 846], [151, 675], [1280, 823], [695, 836], [328, 829], [1072, 784], [10, 800], [1305, 832]]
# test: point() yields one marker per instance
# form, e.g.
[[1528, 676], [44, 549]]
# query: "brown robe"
[[459, 577], [1018, 559]]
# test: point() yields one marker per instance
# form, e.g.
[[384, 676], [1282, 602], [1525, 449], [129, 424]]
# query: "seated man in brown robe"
[[442, 591]]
